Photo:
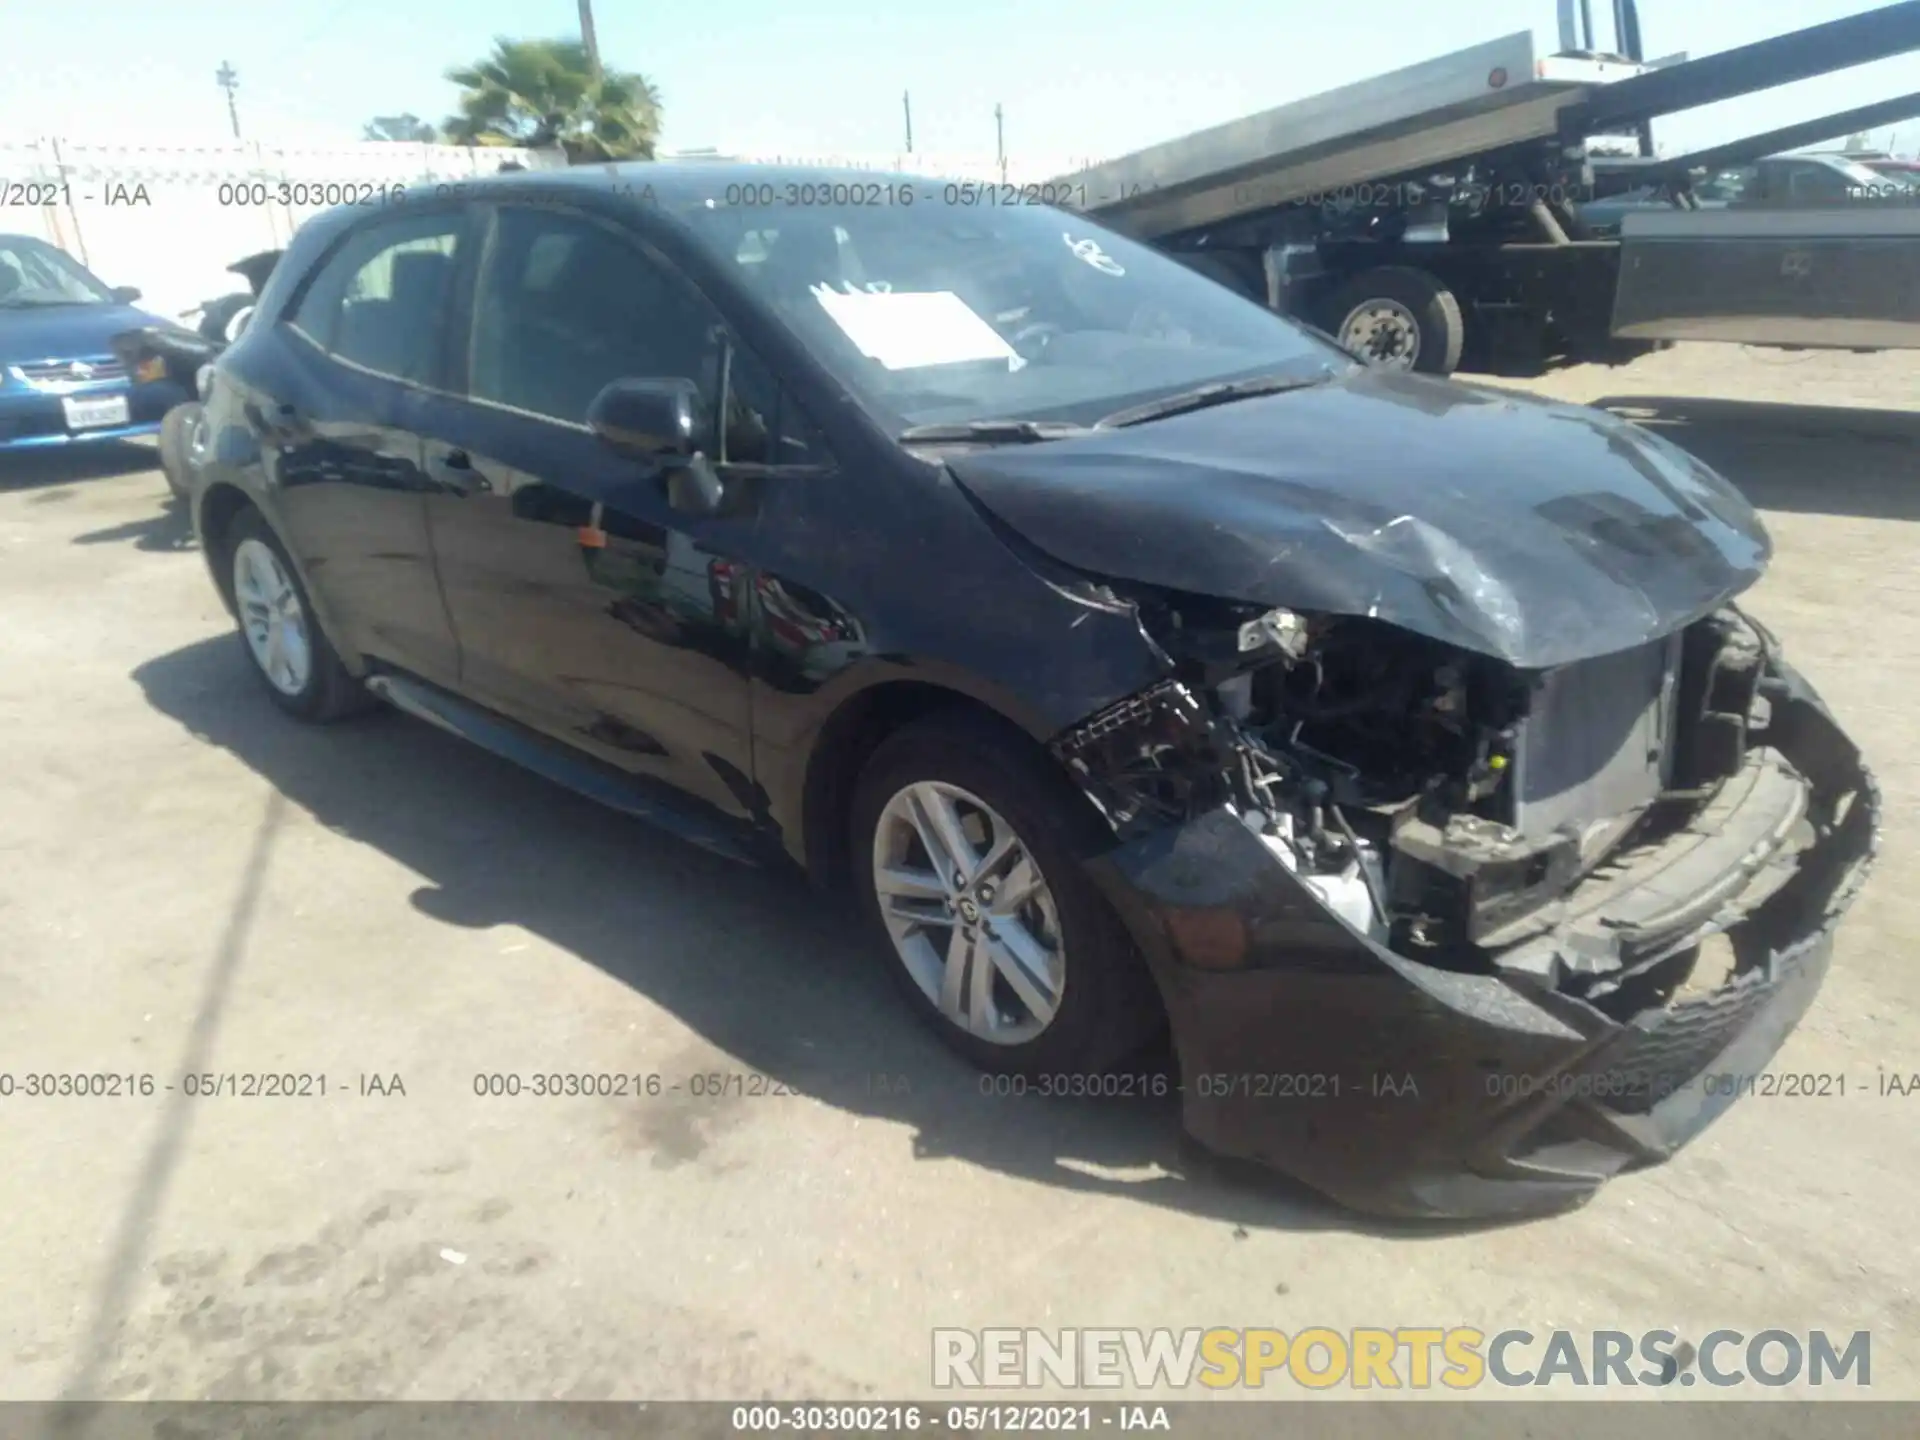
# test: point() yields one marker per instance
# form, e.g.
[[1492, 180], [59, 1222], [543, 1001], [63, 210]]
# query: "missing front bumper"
[[1402, 1088]]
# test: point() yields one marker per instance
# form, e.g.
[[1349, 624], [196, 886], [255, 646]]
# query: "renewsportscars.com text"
[[1401, 1357]]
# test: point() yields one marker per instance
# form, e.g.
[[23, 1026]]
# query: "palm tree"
[[408, 127], [541, 93]]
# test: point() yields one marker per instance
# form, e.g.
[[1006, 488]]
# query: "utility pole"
[[228, 79], [588, 40], [1000, 141], [906, 106]]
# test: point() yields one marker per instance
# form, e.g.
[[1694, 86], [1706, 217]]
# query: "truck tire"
[[1398, 318]]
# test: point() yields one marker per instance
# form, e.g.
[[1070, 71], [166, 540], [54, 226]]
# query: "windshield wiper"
[[18, 304], [991, 432], [1221, 393]]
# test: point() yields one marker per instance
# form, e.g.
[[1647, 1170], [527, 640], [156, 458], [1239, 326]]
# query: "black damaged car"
[[1135, 656]]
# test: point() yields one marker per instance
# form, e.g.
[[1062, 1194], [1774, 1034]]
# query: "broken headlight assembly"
[[1441, 802]]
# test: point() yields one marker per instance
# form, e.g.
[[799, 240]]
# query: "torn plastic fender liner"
[[1400, 1088]]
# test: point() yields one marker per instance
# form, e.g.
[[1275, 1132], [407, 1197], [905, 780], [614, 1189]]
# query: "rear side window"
[[379, 302]]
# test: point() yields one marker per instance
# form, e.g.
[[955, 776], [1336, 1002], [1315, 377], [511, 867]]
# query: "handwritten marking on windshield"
[[1090, 251]]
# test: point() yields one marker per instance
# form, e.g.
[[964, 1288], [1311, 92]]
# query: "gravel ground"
[[192, 883]]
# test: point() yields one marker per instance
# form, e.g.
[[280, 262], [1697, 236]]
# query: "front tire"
[[967, 848], [286, 648]]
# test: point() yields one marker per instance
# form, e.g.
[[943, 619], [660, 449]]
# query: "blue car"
[[59, 381]]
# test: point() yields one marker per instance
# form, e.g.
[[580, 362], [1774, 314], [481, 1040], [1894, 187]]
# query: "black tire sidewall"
[[319, 698], [175, 428], [1432, 305], [1109, 1007]]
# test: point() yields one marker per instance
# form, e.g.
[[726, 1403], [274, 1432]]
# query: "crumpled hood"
[[1535, 532]]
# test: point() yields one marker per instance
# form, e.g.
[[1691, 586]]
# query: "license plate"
[[91, 413]]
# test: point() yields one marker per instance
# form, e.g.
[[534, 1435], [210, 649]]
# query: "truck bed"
[[1823, 279], [1499, 93]]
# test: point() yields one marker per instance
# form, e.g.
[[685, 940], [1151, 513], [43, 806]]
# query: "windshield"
[[33, 272], [1859, 176], [937, 313]]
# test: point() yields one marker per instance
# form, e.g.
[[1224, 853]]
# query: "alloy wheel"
[[199, 440], [970, 915], [272, 617]]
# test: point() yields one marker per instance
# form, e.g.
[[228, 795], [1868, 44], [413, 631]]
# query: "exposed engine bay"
[[1460, 811]]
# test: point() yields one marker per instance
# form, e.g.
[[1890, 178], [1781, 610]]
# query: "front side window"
[[566, 305], [380, 301], [1729, 187], [948, 312], [1817, 184]]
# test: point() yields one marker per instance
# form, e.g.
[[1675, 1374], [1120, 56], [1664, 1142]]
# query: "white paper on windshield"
[[905, 331]]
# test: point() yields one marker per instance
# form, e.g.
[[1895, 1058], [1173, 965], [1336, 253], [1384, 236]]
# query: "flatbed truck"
[[1430, 218]]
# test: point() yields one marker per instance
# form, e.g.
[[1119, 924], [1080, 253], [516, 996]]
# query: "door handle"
[[454, 469]]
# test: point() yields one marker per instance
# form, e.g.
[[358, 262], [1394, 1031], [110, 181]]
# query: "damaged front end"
[[1446, 937]]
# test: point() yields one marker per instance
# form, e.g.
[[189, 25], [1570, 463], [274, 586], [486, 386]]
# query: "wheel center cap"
[[969, 911]]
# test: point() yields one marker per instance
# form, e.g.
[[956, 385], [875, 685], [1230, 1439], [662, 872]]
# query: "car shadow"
[[1810, 459], [757, 963], [66, 464], [168, 530]]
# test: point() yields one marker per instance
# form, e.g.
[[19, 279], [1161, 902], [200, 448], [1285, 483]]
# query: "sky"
[[1080, 79]]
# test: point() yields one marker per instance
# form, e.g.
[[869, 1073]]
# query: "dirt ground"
[[190, 883]]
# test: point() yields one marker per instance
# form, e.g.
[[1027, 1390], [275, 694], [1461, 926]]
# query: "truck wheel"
[[1399, 318], [176, 436]]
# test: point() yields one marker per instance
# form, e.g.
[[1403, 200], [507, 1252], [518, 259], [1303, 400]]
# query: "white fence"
[[949, 165], [170, 219]]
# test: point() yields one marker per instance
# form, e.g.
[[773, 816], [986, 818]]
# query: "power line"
[[228, 79], [588, 40]]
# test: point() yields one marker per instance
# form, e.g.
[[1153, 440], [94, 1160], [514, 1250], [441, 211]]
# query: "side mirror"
[[126, 294], [661, 422]]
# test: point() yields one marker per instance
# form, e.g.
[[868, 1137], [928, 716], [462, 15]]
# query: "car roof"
[[643, 185]]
